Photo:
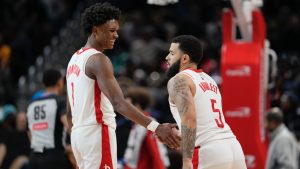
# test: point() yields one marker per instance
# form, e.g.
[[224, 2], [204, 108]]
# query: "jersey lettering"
[[208, 87], [40, 126], [73, 69]]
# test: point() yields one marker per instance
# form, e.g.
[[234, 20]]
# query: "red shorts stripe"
[[106, 162], [195, 159]]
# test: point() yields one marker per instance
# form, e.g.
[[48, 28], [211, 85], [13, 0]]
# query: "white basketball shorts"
[[95, 147], [220, 154]]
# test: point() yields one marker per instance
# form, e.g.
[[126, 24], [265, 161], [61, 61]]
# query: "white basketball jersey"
[[211, 124], [88, 104]]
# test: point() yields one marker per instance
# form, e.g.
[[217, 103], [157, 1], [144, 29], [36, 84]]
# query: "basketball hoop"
[[243, 11]]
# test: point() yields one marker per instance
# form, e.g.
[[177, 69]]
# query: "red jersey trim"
[[195, 70], [80, 51], [97, 103]]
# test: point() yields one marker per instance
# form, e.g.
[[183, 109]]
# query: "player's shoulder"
[[99, 58], [170, 82], [183, 77], [179, 78]]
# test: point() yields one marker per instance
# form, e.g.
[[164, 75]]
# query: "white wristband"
[[152, 126]]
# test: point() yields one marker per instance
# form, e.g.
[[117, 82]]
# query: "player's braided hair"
[[98, 14]]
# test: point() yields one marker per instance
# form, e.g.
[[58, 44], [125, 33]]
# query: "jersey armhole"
[[85, 62]]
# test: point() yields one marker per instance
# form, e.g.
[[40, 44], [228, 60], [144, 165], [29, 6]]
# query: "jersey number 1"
[[219, 121], [72, 85]]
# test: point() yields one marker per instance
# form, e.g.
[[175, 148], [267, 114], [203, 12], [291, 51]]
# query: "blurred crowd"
[[36, 35], [26, 27], [284, 39]]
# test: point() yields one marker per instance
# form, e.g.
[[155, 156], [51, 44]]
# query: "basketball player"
[[46, 120], [195, 102], [143, 150], [94, 95]]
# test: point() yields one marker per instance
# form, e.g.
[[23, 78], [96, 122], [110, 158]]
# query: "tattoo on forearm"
[[188, 141], [180, 89]]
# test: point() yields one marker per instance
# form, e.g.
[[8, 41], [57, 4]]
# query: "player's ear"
[[94, 31], [185, 58]]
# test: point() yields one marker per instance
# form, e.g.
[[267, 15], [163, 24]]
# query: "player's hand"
[[167, 135]]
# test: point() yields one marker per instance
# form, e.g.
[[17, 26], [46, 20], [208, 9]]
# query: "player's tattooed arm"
[[180, 93], [188, 141]]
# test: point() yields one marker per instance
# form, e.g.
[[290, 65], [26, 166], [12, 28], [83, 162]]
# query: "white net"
[[161, 2]]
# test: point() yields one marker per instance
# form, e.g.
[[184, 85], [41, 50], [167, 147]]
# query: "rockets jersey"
[[47, 130], [210, 120], [88, 104]]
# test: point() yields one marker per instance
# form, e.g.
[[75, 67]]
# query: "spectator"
[[5, 52], [14, 143], [283, 151], [143, 151]]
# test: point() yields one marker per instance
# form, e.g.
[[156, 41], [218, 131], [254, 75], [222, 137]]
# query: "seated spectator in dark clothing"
[[14, 142]]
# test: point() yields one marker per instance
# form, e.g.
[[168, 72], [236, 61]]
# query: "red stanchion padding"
[[259, 27], [243, 92], [227, 22]]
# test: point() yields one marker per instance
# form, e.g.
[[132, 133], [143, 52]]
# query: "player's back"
[[88, 104], [211, 124], [44, 123]]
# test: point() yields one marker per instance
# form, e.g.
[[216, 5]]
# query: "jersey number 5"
[[219, 121]]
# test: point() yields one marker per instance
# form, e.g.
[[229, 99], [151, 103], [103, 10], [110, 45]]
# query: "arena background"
[[40, 34]]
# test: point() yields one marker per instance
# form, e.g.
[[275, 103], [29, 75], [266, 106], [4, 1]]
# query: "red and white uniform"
[[93, 117], [212, 130]]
